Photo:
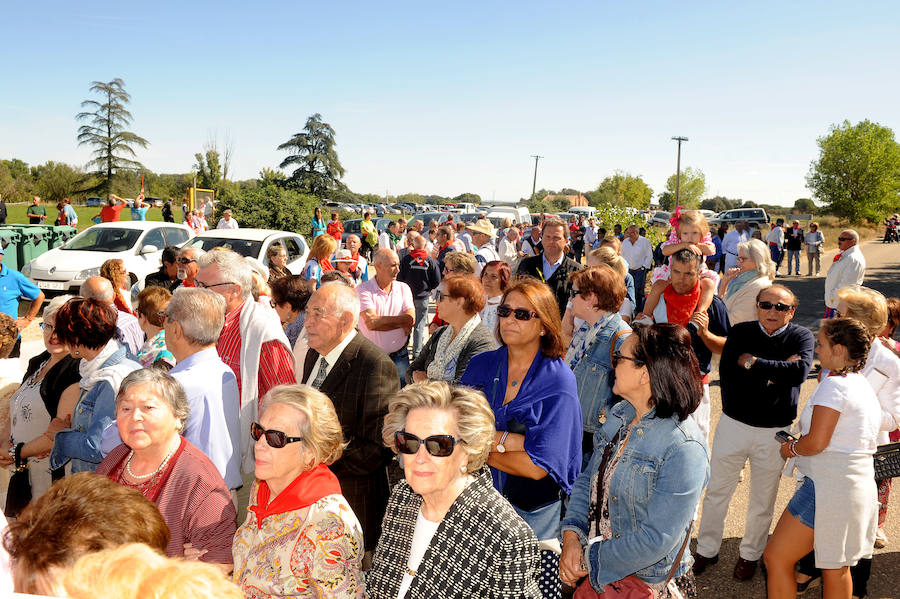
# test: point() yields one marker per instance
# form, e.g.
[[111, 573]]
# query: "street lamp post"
[[679, 139], [534, 183]]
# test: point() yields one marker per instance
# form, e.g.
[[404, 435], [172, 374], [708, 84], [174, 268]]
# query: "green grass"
[[16, 214]]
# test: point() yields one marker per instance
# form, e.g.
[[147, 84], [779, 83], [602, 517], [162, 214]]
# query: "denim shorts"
[[803, 504]]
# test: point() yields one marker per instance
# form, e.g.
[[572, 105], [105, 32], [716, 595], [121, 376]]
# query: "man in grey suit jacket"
[[360, 380]]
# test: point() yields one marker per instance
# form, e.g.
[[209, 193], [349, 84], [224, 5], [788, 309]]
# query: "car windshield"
[[351, 227], [244, 247], [104, 239]]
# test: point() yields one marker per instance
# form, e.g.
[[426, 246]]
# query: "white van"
[[518, 214], [586, 211]]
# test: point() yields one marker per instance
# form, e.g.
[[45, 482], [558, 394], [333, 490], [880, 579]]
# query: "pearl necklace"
[[155, 472]]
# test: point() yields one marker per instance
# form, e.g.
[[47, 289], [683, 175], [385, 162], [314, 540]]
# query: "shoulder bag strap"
[[687, 537]]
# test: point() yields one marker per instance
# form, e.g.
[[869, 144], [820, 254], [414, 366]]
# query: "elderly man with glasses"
[[848, 268], [764, 363], [187, 266]]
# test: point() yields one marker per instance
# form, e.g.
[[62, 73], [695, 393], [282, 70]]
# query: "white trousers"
[[734, 444]]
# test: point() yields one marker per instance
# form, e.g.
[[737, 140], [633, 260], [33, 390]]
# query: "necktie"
[[323, 372]]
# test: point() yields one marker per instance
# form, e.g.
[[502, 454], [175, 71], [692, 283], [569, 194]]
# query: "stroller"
[[891, 226]]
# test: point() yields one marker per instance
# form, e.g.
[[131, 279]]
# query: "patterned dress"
[[290, 556]]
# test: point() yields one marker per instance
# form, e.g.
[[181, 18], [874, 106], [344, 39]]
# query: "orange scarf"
[[304, 491]]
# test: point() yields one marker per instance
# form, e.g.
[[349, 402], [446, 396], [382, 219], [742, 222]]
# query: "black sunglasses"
[[203, 285], [520, 313], [845, 239], [276, 439], [618, 356], [779, 306], [440, 446], [184, 260]]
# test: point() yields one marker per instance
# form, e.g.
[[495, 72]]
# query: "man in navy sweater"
[[763, 365]]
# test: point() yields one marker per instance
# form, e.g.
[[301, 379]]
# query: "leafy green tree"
[[270, 206], [693, 186], [104, 130], [719, 203], [209, 170], [312, 152], [805, 206], [415, 198], [472, 198], [857, 174], [749, 204], [15, 180], [56, 180], [622, 189]]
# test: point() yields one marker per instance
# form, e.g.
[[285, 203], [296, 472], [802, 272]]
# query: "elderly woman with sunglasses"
[[447, 532], [300, 537], [536, 453], [628, 521], [151, 411]]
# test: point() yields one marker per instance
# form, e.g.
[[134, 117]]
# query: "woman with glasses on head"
[[151, 410], [151, 313], [740, 286], [448, 351], [447, 532], [49, 390], [536, 454], [627, 522], [300, 537]]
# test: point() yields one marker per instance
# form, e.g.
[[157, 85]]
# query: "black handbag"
[[18, 494], [887, 461]]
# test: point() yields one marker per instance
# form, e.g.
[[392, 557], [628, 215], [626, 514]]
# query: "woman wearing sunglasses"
[[151, 410], [447, 532], [300, 537], [448, 351], [627, 522], [536, 453], [740, 286]]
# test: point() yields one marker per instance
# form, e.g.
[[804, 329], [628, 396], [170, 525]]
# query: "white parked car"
[[138, 243], [254, 243]]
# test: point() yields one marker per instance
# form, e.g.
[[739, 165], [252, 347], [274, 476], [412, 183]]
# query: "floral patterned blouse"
[[155, 349], [288, 556]]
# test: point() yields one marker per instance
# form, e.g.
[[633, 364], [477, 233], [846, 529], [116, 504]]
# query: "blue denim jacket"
[[654, 492], [95, 409], [592, 373]]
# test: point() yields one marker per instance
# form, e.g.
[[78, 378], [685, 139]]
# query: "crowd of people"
[[546, 432]]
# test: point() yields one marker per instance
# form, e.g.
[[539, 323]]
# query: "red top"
[[335, 229], [110, 214]]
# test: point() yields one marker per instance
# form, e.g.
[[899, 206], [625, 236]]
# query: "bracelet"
[[19, 462], [791, 449]]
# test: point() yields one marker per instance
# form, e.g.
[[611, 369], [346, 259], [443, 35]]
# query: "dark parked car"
[[427, 217], [755, 216], [352, 227]]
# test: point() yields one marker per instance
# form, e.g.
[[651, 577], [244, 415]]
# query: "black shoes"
[[701, 562], [745, 569]]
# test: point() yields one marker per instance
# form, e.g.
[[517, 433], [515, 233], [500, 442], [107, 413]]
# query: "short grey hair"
[[55, 304], [757, 251], [167, 389], [199, 312], [346, 300], [232, 265], [196, 252]]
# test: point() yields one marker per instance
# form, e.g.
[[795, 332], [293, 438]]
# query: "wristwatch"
[[750, 362], [500, 447]]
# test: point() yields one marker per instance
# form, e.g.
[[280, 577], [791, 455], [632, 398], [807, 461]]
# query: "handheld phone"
[[784, 437]]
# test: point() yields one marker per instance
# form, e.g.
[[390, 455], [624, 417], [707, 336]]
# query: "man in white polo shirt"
[[387, 311], [638, 253]]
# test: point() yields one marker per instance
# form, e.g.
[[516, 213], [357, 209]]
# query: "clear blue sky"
[[453, 98]]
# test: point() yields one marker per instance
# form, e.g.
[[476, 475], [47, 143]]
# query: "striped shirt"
[[276, 364]]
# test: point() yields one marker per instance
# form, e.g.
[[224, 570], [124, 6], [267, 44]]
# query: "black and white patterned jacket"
[[481, 549]]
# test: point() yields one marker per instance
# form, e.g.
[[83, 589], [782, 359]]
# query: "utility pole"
[[679, 139], [534, 183]]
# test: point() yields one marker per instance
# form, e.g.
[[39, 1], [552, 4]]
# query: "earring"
[[78, 353], [463, 468]]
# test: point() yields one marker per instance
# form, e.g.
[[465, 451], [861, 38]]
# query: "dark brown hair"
[[893, 306], [294, 290], [853, 336], [605, 283], [85, 322], [543, 302], [469, 289], [80, 514], [9, 332], [503, 271], [675, 379]]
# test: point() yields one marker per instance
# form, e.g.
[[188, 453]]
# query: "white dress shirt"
[[638, 254]]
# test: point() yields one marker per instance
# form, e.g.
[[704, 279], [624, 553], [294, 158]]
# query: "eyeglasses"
[[578, 292], [618, 356], [442, 296], [779, 306], [845, 239], [203, 285], [184, 260], [440, 446], [46, 326], [276, 439], [520, 313]]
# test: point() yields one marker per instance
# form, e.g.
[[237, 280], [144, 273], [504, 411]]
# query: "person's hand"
[[695, 249], [571, 562], [731, 273], [419, 376], [22, 323], [432, 327], [58, 424], [6, 460], [785, 451], [742, 359], [794, 358], [192, 553], [701, 319]]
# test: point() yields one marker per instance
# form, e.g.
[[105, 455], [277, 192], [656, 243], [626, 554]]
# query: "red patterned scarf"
[[680, 307], [420, 256]]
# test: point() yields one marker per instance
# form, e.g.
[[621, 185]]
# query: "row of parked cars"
[[140, 244], [755, 216]]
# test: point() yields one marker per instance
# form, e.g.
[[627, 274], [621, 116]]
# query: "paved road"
[[717, 583]]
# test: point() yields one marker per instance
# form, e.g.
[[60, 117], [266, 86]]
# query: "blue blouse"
[[547, 405]]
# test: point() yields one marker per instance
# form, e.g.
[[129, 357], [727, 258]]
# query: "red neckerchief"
[[837, 257], [306, 489], [680, 307], [355, 262], [420, 256]]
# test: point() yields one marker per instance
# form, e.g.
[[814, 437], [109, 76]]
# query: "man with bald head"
[[252, 342], [387, 311], [420, 271], [848, 268], [128, 330], [360, 379]]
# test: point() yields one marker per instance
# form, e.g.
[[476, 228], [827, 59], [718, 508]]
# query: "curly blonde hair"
[[114, 271], [474, 417]]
